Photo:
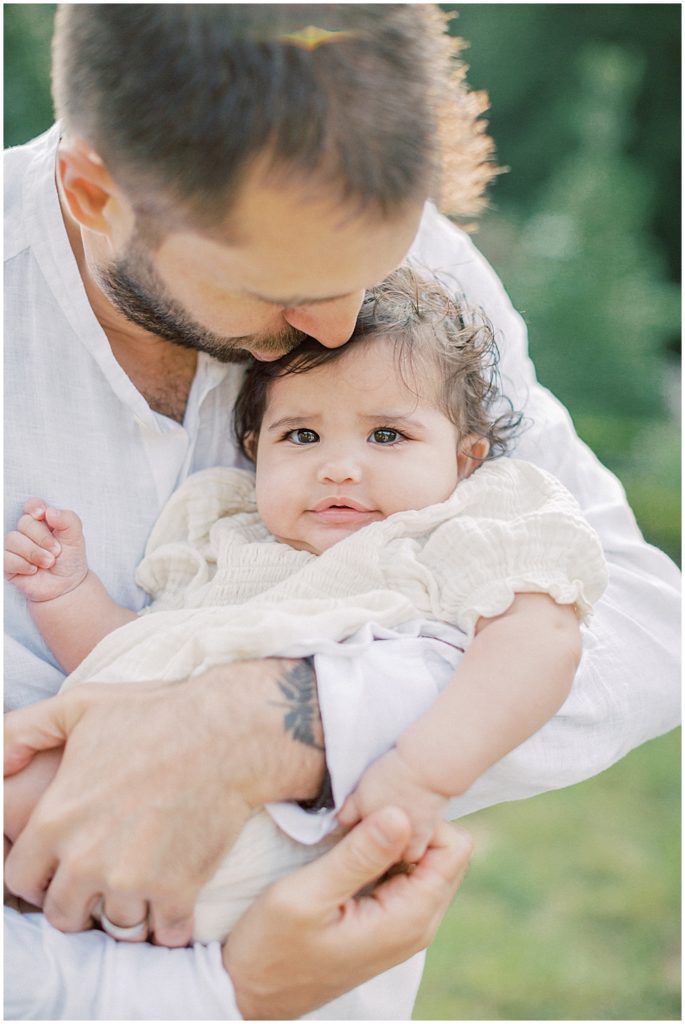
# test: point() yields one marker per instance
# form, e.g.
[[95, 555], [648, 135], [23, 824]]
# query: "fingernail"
[[56, 548]]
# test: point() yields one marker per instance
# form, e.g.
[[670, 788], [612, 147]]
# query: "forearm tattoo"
[[300, 701]]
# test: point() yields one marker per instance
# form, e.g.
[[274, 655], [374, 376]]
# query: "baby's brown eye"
[[384, 435], [303, 436]]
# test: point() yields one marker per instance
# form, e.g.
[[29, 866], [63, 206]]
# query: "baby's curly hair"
[[430, 331]]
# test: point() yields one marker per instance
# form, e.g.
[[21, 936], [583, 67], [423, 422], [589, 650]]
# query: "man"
[[228, 178]]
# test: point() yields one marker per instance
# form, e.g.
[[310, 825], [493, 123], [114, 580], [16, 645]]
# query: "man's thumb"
[[28, 730], [362, 856]]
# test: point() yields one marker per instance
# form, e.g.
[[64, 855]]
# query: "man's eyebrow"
[[290, 301]]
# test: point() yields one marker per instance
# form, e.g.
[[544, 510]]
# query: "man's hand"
[[154, 784], [308, 939]]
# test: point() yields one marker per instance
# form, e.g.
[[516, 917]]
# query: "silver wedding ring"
[[118, 931]]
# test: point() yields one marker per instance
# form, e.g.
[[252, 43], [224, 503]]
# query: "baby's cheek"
[[274, 517]]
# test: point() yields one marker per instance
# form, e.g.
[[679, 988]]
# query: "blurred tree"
[[584, 264], [585, 229], [28, 106], [525, 56]]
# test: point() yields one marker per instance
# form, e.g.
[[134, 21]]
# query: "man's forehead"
[[285, 245]]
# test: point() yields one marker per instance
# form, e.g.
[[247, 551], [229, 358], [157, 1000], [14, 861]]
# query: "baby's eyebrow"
[[291, 421], [398, 418], [311, 419]]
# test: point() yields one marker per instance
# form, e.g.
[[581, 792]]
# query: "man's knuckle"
[[79, 864], [171, 893], [121, 881]]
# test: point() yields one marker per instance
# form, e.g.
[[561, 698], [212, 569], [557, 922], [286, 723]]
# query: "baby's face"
[[347, 444]]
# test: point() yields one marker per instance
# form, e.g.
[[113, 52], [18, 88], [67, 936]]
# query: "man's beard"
[[131, 285]]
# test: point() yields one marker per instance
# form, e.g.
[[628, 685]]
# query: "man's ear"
[[472, 451], [86, 184]]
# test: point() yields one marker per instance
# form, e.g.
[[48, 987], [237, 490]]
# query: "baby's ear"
[[250, 444], [471, 452]]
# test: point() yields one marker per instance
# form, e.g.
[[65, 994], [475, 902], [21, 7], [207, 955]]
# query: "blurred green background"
[[571, 909], [585, 227]]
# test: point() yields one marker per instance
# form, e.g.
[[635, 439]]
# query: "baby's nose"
[[340, 470]]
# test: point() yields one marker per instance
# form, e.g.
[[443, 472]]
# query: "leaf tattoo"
[[298, 686]]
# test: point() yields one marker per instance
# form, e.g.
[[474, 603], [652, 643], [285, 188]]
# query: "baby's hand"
[[391, 780], [45, 557]]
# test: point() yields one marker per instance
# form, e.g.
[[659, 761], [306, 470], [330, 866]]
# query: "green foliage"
[[527, 58], [27, 34], [585, 265], [584, 229]]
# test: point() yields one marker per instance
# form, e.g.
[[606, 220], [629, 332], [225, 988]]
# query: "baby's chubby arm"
[[515, 675], [45, 558]]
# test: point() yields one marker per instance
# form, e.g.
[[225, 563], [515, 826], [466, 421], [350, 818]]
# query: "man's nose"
[[331, 323]]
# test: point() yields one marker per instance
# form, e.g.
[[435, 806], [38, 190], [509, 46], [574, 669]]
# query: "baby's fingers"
[[64, 524], [15, 565], [35, 507], [350, 813], [39, 532], [23, 557]]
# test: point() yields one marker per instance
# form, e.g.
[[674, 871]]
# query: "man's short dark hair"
[[178, 99]]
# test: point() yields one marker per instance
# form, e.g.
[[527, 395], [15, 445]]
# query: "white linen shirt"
[[78, 434]]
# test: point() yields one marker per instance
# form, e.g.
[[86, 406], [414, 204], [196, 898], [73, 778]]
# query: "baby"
[[376, 498]]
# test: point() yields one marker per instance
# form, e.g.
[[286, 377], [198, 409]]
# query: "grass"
[[571, 908]]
